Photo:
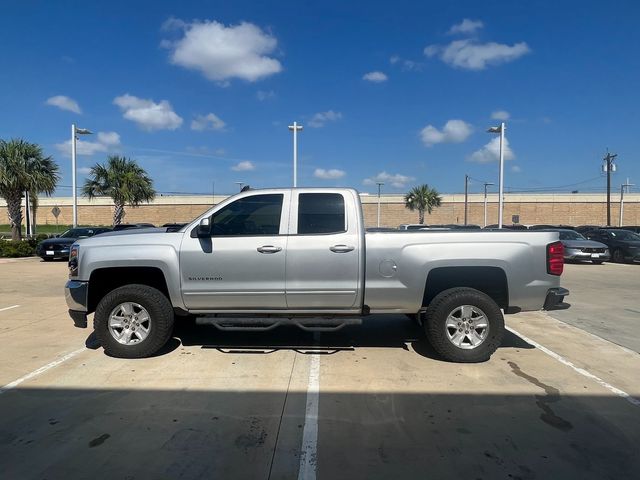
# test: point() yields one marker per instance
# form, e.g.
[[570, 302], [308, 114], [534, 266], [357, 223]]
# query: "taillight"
[[555, 258]]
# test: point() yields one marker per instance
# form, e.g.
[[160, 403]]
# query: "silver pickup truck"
[[301, 256]]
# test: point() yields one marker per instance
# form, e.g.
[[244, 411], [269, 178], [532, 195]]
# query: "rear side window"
[[255, 215], [321, 213]]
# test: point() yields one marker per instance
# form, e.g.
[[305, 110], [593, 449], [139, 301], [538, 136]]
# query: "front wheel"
[[464, 325], [618, 257], [133, 321]]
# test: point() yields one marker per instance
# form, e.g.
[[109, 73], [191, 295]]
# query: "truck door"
[[241, 266], [323, 253]]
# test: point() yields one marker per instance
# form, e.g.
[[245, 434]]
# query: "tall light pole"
[[466, 197], [609, 167], [486, 184], [294, 128], [74, 137], [622, 188], [500, 130], [380, 184]]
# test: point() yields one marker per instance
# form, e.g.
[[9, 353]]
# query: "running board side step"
[[256, 324]]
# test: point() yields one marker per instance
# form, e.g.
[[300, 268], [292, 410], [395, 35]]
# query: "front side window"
[[255, 215], [321, 213]]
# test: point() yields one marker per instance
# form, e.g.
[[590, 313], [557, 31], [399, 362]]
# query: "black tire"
[[435, 326], [597, 262], [617, 256], [160, 323]]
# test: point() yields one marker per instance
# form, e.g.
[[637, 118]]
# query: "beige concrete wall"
[[533, 209]]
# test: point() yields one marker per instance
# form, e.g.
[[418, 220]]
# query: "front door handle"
[[269, 249], [341, 248]]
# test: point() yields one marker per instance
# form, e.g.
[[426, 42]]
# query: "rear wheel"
[[133, 321], [464, 325]]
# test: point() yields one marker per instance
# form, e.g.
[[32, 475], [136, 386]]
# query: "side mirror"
[[204, 228]]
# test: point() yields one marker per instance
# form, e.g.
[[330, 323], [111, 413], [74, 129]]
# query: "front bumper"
[[555, 299], [572, 254], [75, 293], [56, 253]]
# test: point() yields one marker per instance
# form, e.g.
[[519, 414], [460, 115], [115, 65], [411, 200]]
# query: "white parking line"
[[9, 308], [581, 371], [309, 450], [37, 372]]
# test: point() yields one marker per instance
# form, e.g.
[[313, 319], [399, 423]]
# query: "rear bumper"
[[555, 299]]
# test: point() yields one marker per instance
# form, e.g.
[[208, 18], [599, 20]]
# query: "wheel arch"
[[490, 280]]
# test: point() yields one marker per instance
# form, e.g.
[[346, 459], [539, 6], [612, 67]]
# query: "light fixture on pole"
[[240, 185], [380, 184], [486, 184], [500, 130], [294, 128], [624, 186], [74, 137]]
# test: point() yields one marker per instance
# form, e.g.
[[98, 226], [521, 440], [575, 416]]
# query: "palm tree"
[[123, 180], [422, 198], [24, 167]]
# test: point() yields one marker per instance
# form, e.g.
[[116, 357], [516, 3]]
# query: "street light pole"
[[500, 130], [294, 128], [466, 197], [380, 184], [74, 137], [622, 188], [609, 167], [486, 184]]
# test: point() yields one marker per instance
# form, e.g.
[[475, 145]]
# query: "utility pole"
[[466, 198], [294, 128], [380, 184], [486, 184], [609, 167], [626, 185]]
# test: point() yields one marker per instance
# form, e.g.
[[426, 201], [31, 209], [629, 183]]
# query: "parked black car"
[[632, 228], [58, 247], [583, 229], [577, 247], [623, 244], [129, 226]]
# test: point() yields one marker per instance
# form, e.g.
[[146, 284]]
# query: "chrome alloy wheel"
[[129, 323], [467, 327]]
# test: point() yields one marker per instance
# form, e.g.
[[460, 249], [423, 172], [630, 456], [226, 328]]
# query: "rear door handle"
[[269, 249], [341, 248]]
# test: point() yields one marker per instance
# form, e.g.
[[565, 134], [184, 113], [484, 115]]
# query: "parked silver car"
[[578, 247]]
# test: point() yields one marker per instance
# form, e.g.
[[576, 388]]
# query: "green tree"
[[123, 180], [24, 167], [422, 198]]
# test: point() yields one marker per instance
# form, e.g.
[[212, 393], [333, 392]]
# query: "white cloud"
[[222, 52], [106, 141], [472, 55], [319, 119], [84, 170], [501, 115], [467, 26], [491, 152], [207, 122], [375, 77], [516, 169], [244, 166], [265, 95], [454, 131], [64, 103], [331, 174], [395, 180], [409, 65], [147, 114]]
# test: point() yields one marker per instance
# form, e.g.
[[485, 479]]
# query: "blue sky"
[[202, 92]]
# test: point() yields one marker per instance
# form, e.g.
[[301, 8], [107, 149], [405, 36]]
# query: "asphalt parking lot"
[[559, 399]]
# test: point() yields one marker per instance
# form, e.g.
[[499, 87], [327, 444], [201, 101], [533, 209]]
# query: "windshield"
[[570, 235], [78, 232], [624, 235]]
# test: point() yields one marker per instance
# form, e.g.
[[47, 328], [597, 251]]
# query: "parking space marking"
[[37, 372], [309, 450], [9, 308], [621, 393]]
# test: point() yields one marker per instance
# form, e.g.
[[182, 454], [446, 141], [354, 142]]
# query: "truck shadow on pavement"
[[377, 332]]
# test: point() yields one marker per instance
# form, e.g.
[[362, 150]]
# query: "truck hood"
[[583, 244]]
